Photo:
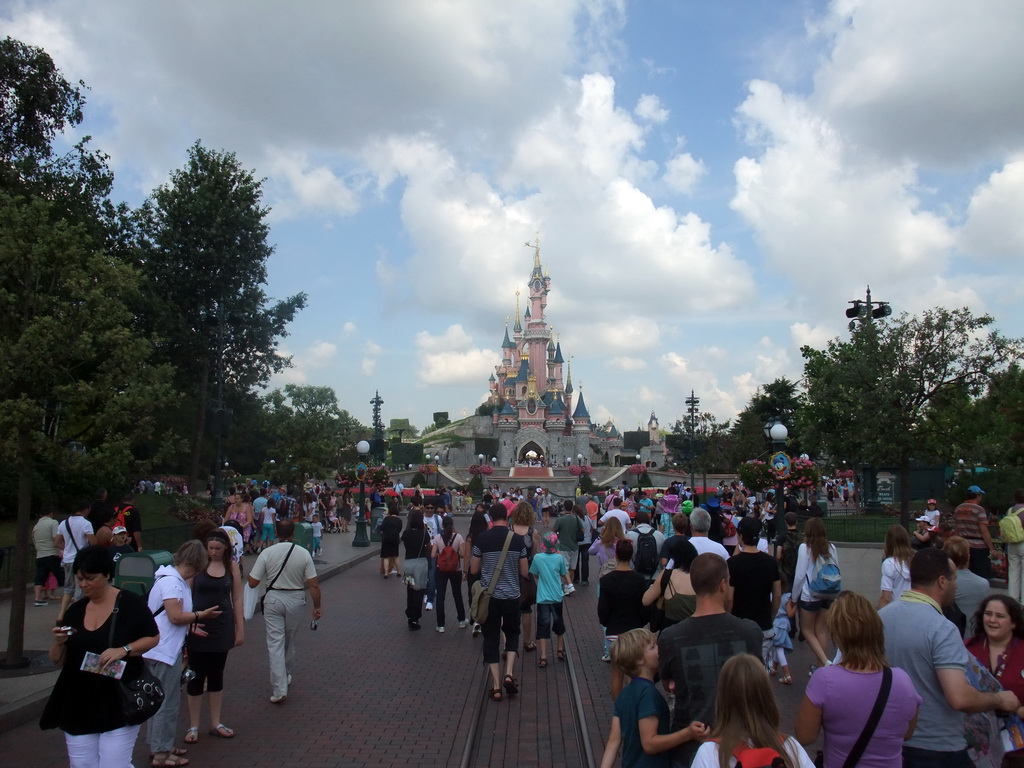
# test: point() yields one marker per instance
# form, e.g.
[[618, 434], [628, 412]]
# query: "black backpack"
[[646, 558]]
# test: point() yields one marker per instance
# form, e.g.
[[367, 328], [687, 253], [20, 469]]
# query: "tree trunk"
[[905, 491], [19, 574], [200, 431]]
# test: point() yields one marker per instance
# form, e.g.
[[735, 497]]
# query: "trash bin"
[[304, 536], [823, 506], [376, 515], [136, 570]]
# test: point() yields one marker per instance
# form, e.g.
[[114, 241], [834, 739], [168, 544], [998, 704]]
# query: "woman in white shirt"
[[813, 609], [896, 565], [747, 720]]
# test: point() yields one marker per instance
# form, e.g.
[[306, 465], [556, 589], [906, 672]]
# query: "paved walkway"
[[370, 693]]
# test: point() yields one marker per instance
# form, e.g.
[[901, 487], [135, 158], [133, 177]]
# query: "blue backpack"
[[825, 582]]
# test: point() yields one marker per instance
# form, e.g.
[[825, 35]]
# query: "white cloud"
[[683, 172], [368, 366], [452, 358], [933, 80], [995, 225], [348, 329], [649, 108], [320, 354], [804, 334], [306, 189]]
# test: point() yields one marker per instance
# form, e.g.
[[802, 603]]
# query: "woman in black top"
[[390, 538], [86, 705], [417, 557], [620, 606]]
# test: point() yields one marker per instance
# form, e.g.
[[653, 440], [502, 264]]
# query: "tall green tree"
[[886, 395], [204, 254], [75, 373]]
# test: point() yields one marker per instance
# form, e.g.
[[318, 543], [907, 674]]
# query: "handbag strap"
[[501, 562], [71, 535], [270, 586], [113, 620], [876, 715]]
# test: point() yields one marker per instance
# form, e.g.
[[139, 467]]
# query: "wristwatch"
[[127, 649]]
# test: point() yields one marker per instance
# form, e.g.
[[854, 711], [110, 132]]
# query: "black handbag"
[[142, 696]]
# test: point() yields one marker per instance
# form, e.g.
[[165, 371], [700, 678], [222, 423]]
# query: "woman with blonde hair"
[[841, 699], [604, 547], [813, 609], [521, 521], [747, 721], [896, 565]]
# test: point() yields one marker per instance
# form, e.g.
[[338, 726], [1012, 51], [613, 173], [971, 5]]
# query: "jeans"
[[914, 757], [443, 580], [282, 610], [110, 749], [549, 617], [980, 564], [431, 579], [161, 726], [502, 616], [583, 571]]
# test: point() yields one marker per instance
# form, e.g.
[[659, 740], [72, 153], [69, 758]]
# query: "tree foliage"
[[896, 389], [203, 252]]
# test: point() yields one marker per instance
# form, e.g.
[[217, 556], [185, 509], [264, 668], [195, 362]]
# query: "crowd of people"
[[698, 603]]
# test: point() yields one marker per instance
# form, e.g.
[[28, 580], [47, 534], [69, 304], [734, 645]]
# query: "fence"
[[168, 538]]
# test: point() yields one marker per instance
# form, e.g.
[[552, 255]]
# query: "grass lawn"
[[153, 508]]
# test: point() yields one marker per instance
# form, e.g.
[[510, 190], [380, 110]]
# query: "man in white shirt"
[[74, 534], [288, 570], [700, 524], [617, 512]]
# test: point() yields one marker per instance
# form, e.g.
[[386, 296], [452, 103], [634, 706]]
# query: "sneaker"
[[277, 699], [440, 629], [41, 603], [393, 572], [289, 679], [414, 625], [429, 606], [585, 583], [607, 658], [477, 629], [569, 589], [463, 624]]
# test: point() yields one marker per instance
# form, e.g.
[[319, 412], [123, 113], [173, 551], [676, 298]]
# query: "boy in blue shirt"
[[641, 722], [552, 575]]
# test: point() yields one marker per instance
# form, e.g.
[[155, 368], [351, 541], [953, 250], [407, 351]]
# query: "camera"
[[69, 631], [313, 625]]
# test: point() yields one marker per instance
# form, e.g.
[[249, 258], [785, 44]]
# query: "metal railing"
[[167, 538]]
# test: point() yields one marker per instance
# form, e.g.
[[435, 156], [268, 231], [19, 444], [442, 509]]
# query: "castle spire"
[[568, 378], [518, 327]]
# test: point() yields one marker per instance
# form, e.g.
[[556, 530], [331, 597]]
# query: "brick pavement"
[[370, 693]]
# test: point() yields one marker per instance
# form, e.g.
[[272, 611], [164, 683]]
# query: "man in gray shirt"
[[928, 647]]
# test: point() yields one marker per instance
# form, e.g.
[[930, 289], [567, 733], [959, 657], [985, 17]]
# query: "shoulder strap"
[[270, 586], [501, 562], [113, 620], [876, 714], [71, 535]]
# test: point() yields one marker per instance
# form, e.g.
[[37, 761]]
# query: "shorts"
[[571, 558], [813, 606], [268, 532], [70, 582], [316, 543]]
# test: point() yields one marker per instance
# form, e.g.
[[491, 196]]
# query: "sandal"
[[542, 662], [191, 736], [222, 731], [170, 760], [561, 654], [176, 751], [495, 694], [511, 688], [529, 646], [786, 680]]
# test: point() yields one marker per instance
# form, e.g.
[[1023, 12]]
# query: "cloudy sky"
[[711, 182]]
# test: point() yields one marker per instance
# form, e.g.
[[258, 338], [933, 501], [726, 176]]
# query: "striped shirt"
[[487, 546]]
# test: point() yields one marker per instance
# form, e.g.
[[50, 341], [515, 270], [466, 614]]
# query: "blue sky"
[[712, 182]]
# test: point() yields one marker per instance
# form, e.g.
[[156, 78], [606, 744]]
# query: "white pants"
[[112, 749], [282, 613], [1015, 571]]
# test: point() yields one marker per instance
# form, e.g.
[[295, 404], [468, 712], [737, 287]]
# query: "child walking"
[[552, 575], [318, 532], [641, 722], [783, 642]]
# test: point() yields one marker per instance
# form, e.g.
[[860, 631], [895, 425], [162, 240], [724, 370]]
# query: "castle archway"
[[531, 453]]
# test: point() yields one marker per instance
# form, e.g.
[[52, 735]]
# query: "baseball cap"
[[924, 519], [120, 529], [975, 489], [932, 501]]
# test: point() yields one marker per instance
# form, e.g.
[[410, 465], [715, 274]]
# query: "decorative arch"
[[531, 448]]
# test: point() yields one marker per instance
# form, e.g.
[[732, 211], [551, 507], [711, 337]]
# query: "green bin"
[[136, 570], [376, 515], [823, 506], [304, 536]]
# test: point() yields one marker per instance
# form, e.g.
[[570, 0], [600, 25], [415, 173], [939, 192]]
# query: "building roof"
[[581, 409], [507, 343], [558, 353]]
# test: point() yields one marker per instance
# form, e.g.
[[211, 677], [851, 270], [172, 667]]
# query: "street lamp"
[[480, 458], [437, 469], [776, 432], [361, 538]]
